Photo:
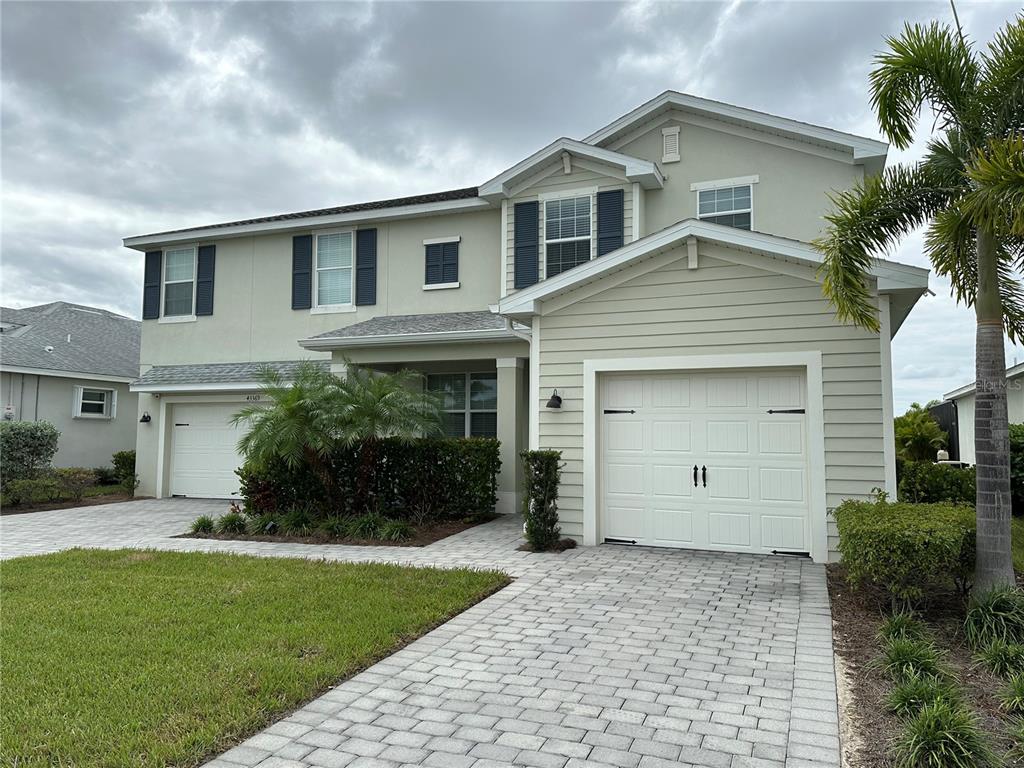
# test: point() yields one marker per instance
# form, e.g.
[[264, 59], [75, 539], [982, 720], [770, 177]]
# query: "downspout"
[[519, 334]]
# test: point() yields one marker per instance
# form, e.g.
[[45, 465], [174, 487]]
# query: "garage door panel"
[[780, 391], [670, 392], [785, 532], [780, 438], [626, 435], [727, 392], [729, 529], [622, 478], [730, 483], [673, 481], [671, 436], [778, 484], [624, 393], [672, 527], [728, 436], [625, 522]]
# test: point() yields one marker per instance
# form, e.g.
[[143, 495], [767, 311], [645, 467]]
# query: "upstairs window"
[[469, 402], [179, 282], [333, 269], [566, 233], [442, 263], [730, 206], [93, 403]]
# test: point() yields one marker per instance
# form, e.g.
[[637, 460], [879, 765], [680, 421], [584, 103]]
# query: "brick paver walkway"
[[604, 656]]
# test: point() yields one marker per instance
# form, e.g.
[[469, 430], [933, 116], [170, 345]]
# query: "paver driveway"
[[606, 656]]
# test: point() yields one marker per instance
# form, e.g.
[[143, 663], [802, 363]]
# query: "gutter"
[[438, 337]]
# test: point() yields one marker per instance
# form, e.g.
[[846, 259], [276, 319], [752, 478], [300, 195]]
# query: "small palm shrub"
[[297, 521], [1002, 659], [203, 524], [1012, 696], [901, 626], [995, 615], [366, 526], [943, 735], [396, 530], [908, 696], [904, 659], [231, 522]]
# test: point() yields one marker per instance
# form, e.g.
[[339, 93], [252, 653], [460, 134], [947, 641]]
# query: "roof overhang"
[[635, 169], [905, 282], [66, 374], [1011, 373], [861, 148], [227, 387], [331, 343], [303, 224]]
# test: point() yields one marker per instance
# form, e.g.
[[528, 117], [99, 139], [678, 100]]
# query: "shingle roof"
[[403, 325], [219, 373], [70, 337], [396, 202]]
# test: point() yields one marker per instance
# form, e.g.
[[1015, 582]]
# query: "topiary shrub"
[[124, 469], [922, 482], [26, 448], [540, 502], [906, 549]]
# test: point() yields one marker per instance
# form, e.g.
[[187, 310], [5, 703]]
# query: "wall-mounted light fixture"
[[555, 401], [145, 418]]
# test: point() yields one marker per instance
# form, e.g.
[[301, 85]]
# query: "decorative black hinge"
[[181, 425], [791, 410], [794, 554], [619, 541], [608, 410]]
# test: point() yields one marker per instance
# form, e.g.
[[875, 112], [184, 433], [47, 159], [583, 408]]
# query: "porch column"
[[511, 428]]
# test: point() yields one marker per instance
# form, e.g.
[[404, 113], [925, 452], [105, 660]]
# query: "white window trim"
[[543, 198], [673, 157], [739, 181], [326, 309], [109, 403], [468, 411], [191, 316], [442, 240], [440, 286]]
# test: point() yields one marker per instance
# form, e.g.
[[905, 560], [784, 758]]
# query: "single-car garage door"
[[706, 461], [203, 451]]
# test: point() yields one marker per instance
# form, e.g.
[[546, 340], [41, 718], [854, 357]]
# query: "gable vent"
[[670, 144]]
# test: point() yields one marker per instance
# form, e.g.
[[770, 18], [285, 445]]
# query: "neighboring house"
[[656, 275], [71, 365], [959, 405]]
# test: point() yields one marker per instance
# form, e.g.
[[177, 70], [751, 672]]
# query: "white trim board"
[[438, 337], [809, 361]]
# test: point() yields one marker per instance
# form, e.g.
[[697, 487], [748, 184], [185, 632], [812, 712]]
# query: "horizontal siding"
[[719, 308]]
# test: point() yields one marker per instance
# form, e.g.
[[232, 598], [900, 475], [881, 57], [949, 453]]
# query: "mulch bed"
[[87, 501], [422, 535], [856, 616]]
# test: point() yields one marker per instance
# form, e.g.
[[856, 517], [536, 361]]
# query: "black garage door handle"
[[694, 475], [704, 476]]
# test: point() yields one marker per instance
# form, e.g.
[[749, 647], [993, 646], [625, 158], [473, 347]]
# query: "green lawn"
[[161, 658], [1018, 543]]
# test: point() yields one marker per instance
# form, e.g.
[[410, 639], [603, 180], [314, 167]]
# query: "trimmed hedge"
[[26, 448], [923, 482], [906, 548], [429, 479], [540, 501]]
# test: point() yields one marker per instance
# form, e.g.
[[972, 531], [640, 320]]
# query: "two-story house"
[[644, 300]]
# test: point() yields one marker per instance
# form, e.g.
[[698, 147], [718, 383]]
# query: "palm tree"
[[376, 406], [969, 192], [918, 435]]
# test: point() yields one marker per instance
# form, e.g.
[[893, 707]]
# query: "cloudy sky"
[[123, 118]]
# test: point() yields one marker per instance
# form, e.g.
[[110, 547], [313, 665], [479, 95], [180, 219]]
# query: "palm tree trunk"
[[994, 565]]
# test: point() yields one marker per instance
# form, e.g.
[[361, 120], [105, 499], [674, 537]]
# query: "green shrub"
[[396, 530], [36, 490], [203, 524], [943, 735], [26, 448], [333, 527], [1001, 658], [368, 526], [1011, 699], [297, 521], [105, 476], [1017, 468], [540, 500], [75, 480], [995, 615], [901, 625], [124, 469], [909, 695], [231, 522], [904, 659], [918, 435], [1016, 731], [923, 482], [906, 548], [262, 525]]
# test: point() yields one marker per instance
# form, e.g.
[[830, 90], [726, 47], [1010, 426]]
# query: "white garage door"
[[203, 451], [706, 461]]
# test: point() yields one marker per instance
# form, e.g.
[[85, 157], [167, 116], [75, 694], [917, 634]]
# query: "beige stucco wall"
[[83, 442], [252, 316], [719, 308]]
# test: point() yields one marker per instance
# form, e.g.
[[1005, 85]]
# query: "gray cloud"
[[123, 118]]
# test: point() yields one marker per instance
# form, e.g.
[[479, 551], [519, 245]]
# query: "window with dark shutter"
[[151, 285], [366, 267], [526, 243], [205, 266], [610, 220], [302, 272], [442, 263]]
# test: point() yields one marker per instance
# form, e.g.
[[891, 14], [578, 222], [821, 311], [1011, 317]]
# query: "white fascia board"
[[66, 374], [223, 387], [439, 337], [636, 169], [862, 147], [141, 242], [527, 301], [1011, 373]]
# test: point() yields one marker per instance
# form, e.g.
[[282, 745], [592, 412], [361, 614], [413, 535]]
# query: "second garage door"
[[204, 454], [706, 461]]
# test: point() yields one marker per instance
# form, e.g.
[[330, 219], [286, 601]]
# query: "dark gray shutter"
[[434, 268], [151, 285], [302, 272], [526, 239], [442, 263], [609, 220], [366, 267], [205, 265]]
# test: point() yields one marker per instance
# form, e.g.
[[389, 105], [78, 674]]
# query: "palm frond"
[[997, 198], [924, 64], [1001, 86]]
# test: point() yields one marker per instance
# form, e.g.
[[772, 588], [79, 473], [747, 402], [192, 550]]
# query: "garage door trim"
[[810, 361]]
